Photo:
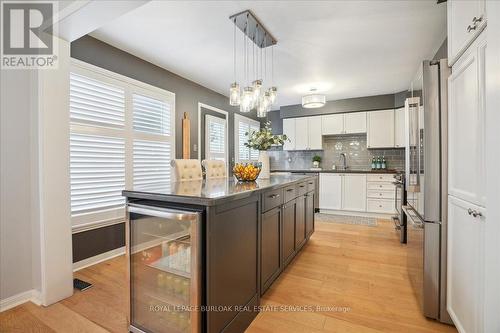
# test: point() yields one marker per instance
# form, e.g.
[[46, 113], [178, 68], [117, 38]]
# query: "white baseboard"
[[98, 258], [354, 213], [13, 301]]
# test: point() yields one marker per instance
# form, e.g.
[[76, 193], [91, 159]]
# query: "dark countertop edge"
[[207, 201], [340, 171]]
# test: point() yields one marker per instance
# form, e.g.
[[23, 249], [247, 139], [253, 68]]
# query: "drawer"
[[271, 199], [380, 186], [302, 188], [380, 206], [386, 177], [311, 185], [376, 194], [290, 192]]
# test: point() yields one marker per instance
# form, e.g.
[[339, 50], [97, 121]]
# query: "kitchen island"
[[202, 253]]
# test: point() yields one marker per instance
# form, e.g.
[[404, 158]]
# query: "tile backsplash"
[[358, 156]]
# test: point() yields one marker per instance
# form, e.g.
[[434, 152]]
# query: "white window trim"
[[240, 118], [106, 217], [226, 115]]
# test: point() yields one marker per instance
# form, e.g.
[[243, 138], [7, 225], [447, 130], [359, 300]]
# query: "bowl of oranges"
[[247, 172]]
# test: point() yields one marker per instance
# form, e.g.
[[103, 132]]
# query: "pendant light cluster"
[[256, 39]]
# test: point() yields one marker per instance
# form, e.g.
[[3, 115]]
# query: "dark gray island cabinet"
[[202, 253]]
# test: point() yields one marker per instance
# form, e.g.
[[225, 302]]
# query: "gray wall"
[[187, 96], [442, 52], [18, 231]]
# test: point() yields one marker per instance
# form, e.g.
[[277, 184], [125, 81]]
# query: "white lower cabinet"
[[350, 192], [330, 191], [465, 266], [354, 192]]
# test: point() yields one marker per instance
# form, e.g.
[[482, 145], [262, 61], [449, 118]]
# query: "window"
[[244, 125], [215, 138], [122, 137]]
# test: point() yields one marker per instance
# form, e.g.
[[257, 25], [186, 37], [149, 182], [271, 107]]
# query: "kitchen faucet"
[[343, 158]]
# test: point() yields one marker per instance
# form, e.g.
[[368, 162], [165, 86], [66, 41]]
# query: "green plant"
[[264, 139], [317, 158]]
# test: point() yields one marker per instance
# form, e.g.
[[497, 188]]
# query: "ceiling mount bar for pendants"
[[250, 25]]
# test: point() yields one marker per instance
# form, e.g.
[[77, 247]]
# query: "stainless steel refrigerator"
[[426, 186]]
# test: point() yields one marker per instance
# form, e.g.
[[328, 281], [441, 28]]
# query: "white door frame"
[[226, 115]]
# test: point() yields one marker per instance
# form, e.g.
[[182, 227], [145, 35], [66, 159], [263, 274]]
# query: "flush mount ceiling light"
[[253, 93], [313, 100]]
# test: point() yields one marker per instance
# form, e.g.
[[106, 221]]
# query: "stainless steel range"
[[399, 201], [426, 183]]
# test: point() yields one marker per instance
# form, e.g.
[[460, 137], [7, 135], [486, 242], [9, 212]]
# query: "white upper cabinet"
[[355, 122], [354, 192], [301, 133], [314, 132], [289, 130], [332, 124], [466, 20], [399, 127], [380, 129], [304, 133], [330, 191], [345, 123], [466, 125]]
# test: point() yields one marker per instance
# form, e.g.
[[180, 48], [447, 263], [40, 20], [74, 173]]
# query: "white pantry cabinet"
[[399, 127], [354, 192], [330, 191], [466, 127], [466, 20], [304, 133], [380, 129], [465, 266], [289, 130], [345, 123]]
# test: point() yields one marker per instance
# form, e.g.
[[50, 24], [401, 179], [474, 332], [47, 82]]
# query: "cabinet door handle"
[[471, 28], [274, 196], [477, 20]]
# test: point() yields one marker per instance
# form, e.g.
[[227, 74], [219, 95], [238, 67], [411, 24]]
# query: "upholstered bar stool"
[[214, 169], [186, 170]]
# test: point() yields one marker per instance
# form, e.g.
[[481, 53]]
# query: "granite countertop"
[[212, 191], [390, 171]]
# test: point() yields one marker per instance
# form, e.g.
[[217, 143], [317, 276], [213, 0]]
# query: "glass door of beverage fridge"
[[164, 269]]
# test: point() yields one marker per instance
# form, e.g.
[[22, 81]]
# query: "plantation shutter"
[[151, 115], [215, 132], [97, 172], [244, 125], [121, 137], [95, 102]]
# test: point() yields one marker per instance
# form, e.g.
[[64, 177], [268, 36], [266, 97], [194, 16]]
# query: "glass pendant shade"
[[264, 105], [273, 92], [234, 94], [246, 99], [313, 101]]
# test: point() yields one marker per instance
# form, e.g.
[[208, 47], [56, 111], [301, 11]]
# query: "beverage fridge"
[[164, 259]]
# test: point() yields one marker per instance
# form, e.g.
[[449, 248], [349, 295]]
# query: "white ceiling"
[[344, 48]]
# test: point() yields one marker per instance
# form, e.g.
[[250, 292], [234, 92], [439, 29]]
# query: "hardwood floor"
[[358, 271]]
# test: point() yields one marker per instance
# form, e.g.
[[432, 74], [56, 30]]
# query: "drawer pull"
[[290, 190], [274, 196], [301, 185]]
